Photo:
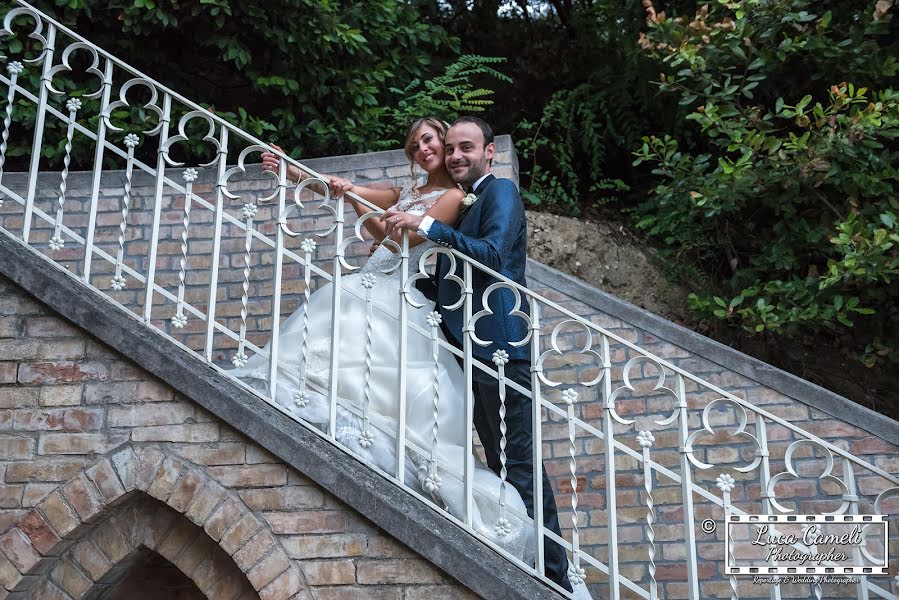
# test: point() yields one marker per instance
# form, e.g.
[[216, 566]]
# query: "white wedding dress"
[[372, 368]]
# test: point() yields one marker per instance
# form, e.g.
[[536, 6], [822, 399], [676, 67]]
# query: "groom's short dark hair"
[[482, 125]]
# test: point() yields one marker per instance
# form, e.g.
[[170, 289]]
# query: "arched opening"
[[145, 575], [141, 549]]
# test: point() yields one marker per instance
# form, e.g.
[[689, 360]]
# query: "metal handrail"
[[638, 448]]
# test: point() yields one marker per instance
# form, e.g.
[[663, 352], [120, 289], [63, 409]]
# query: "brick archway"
[[200, 526]]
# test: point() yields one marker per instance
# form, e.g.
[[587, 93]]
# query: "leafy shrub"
[[788, 197]]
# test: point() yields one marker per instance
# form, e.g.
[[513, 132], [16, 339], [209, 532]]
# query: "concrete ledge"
[[388, 158], [397, 512], [786, 383]]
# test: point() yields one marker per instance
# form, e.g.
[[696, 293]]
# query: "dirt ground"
[[608, 256]]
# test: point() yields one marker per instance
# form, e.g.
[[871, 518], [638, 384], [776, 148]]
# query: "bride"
[[368, 367]]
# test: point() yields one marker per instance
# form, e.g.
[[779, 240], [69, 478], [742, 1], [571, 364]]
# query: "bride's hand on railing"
[[272, 162], [339, 186]]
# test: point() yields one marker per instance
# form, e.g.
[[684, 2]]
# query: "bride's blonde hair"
[[439, 125]]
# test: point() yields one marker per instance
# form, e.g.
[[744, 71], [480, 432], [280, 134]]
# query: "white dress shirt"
[[426, 221]]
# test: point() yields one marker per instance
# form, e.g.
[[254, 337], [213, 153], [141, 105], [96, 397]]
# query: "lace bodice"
[[409, 202]]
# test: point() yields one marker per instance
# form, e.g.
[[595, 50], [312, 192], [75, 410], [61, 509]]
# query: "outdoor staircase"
[[185, 269]]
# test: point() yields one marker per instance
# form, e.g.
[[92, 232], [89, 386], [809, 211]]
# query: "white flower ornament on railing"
[[308, 246], [576, 574], [239, 359], [56, 243], [132, 140], [569, 396], [646, 439], [368, 281], [301, 399], [434, 319], [249, 211], [503, 527], [725, 482], [117, 283], [500, 358], [366, 438], [179, 320], [15, 68], [432, 483], [190, 175]]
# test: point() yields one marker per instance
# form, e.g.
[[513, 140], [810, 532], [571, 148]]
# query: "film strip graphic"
[[786, 537]]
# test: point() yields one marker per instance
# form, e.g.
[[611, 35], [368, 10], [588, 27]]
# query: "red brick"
[[83, 498], [165, 479], [329, 572], [222, 453], [306, 522], [44, 470], [9, 574], [16, 448], [60, 419], [60, 515], [39, 532], [60, 395], [222, 518], [193, 432], [8, 372], [235, 537], [403, 571], [43, 373], [79, 443], [18, 549], [148, 461], [68, 577], [253, 550], [161, 413], [282, 587], [250, 476], [91, 560], [204, 502], [268, 568], [103, 476], [185, 490]]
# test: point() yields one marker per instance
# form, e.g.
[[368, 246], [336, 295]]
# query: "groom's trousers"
[[519, 451]]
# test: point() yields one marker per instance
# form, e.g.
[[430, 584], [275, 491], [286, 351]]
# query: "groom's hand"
[[396, 221]]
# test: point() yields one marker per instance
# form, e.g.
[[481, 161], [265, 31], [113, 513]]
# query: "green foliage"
[[313, 76], [788, 203], [447, 96]]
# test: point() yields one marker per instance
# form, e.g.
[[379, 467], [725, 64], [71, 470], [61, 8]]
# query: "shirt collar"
[[479, 181]]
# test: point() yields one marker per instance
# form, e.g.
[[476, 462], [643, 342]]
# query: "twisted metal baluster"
[[240, 358], [646, 440], [13, 68], [726, 484], [576, 573], [366, 437], [118, 281], [56, 242], [432, 481], [301, 398], [503, 526], [180, 320]]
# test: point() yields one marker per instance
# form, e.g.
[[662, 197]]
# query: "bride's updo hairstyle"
[[439, 126]]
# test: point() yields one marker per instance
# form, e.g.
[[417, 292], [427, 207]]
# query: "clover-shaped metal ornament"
[[358, 237], [826, 475], [35, 33], [65, 66], [152, 105], [182, 136], [487, 311], [743, 419], [422, 273], [555, 350], [298, 207]]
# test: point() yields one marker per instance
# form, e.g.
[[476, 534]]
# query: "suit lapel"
[[477, 192]]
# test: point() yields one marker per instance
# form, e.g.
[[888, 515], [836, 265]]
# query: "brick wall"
[[101, 462]]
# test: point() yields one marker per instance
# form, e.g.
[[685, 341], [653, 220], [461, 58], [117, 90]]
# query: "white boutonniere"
[[469, 199]]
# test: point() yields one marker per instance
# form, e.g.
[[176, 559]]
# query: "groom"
[[492, 230]]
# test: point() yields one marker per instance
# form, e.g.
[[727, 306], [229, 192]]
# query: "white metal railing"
[[653, 472]]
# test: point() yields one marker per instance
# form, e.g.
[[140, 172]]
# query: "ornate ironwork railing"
[[216, 255]]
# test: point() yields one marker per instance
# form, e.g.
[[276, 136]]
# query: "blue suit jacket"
[[492, 231]]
